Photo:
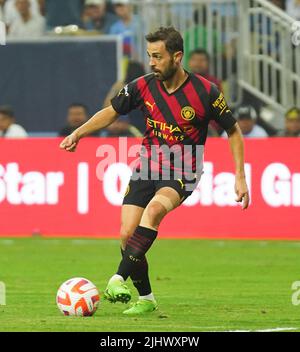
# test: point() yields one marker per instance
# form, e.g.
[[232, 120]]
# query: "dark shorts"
[[140, 192]]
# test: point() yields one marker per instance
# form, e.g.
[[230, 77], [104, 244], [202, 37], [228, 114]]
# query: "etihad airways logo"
[[163, 126], [167, 132]]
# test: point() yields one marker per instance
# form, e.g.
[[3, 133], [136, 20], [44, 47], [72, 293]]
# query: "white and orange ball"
[[78, 296]]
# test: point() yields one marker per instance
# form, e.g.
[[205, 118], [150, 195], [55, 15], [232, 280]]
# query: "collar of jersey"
[[177, 89]]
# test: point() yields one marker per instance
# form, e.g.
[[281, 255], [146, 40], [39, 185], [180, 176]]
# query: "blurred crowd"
[[26, 19], [252, 126], [77, 115], [35, 18]]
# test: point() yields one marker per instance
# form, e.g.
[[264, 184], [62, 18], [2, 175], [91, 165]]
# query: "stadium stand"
[[254, 45]]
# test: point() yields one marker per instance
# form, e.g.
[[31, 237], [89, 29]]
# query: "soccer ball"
[[78, 296]]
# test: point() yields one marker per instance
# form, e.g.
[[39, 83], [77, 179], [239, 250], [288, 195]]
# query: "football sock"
[[134, 255], [116, 277], [140, 276], [149, 297]]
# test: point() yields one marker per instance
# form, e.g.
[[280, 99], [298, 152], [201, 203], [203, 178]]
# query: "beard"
[[167, 74]]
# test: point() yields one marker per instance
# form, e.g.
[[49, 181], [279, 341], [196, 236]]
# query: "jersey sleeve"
[[127, 99], [220, 111]]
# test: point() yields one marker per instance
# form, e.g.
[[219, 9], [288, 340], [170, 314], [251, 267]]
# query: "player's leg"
[[140, 242], [130, 218], [137, 197], [165, 200]]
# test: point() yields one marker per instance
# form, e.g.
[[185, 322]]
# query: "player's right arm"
[[127, 100], [100, 120]]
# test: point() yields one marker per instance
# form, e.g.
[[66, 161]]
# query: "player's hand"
[[241, 191], [69, 143]]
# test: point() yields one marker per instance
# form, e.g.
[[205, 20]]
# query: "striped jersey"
[[176, 123]]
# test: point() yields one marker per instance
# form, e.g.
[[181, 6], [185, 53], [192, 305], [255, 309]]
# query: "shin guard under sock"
[[136, 248]]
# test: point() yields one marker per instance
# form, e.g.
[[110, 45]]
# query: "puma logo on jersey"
[[150, 105]]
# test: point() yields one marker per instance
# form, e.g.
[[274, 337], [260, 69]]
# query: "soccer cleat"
[[117, 291], [142, 306]]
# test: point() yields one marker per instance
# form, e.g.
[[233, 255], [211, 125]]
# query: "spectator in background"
[[279, 3], [42, 7], [127, 26], [63, 12], [292, 124], [26, 25], [246, 117], [8, 127], [77, 116], [11, 13], [134, 70], [96, 18], [2, 10], [293, 9], [198, 63], [121, 128]]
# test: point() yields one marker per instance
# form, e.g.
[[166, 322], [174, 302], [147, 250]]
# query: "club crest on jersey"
[[188, 113]]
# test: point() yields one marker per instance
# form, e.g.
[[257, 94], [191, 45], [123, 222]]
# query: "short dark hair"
[[170, 36], [7, 111], [199, 51], [79, 105]]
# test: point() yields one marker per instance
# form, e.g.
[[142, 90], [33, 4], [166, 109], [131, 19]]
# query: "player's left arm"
[[236, 142], [223, 116]]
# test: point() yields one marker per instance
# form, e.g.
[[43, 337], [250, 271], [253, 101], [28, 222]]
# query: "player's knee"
[[156, 212]]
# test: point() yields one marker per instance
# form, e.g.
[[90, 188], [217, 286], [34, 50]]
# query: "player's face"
[[162, 63]]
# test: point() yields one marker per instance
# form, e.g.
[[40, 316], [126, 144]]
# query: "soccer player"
[[177, 106]]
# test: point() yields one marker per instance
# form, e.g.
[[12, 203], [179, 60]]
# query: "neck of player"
[[176, 81]]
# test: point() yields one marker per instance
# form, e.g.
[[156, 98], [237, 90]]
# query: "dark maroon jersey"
[[178, 120]]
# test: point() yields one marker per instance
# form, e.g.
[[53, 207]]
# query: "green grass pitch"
[[200, 285]]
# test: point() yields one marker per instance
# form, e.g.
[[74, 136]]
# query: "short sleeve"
[[127, 99], [220, 110]]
